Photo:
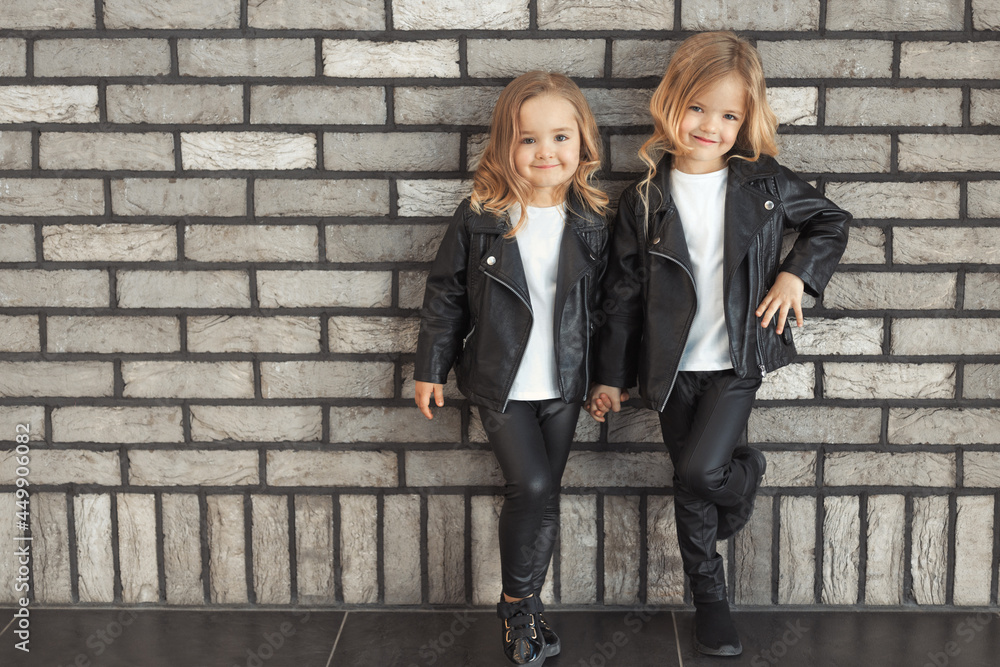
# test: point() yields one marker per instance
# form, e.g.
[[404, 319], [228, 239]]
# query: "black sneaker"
[[521, 631], [552, 644], [714, 630], [732, 519]]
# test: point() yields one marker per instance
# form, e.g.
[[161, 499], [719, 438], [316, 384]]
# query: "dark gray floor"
[[178, 638]]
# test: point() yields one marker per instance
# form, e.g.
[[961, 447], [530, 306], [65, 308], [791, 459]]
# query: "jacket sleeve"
[[822, 228], [621, 308], [444, 317]]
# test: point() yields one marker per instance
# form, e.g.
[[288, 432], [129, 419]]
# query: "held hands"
[[604, 399], [784, 295], [422, 397]]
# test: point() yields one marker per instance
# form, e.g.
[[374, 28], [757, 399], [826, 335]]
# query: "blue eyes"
[[558, 137], [697, 109]]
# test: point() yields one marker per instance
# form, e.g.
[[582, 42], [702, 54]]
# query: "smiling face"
[[710, 125], [547, 148]]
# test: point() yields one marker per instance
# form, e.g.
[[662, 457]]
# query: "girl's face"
[[710, 125], [547, 152]]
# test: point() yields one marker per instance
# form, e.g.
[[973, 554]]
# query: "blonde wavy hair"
[[698, 63], [496, 185]]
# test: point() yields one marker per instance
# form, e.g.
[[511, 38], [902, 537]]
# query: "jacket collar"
[[740, 173], [578, 216]]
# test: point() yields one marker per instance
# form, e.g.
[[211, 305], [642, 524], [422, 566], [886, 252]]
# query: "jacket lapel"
[[746, 210], [503, 263]]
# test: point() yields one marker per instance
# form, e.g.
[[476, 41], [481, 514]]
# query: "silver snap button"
[[656, 240], [491, 260], [769, 205]]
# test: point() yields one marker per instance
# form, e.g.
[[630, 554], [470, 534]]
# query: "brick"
[[955, 153], [163, 467], [984, 199], [272, 578], [385, 424], [198, 14], [383, 243], [664, 569], [886, 550], [349, 334], [958, 336], [634, 425], [13, 58], [985, 107], [875, 291], [980, 470], [946, 245], [452, 468], [31, 416], [109, 151], [183, 289], [316, 288], [66, 288], [753, 564], [256, 423], [401, 530], [790, 382], [175, 104], [391, 151], [318, 105], [622, 544], [225, 523], [137, 547], [841, 549], [313, 545], [108, 335], [791, 468], [883, 15], [51, 196], [973, 549], [815, 424], [486, 580], [796, 550], [842, 153], [359, 548], [101, 57], [446, 548], [251, 243], [475, 146], [291, 197], [914, 201], [894, 107], [221, 197], [619, 106], [19, 333], [929, 550], [431, 198], [795, 106], [51, 557], [453, 14], [10, 533], [723, 15], [944, 426], [65, 466], [981, 381], [317, 15], [17, 243], [950, 60], [578, 566], [46, 14], [185, 379], [878, 380], [985, 15], [331, 468], [827, 58], [460, 105], [48, 104], [411, 288], [888, 469], [247, 57], [282, 334], [247, 150], [116, 424], [634, 58], [182, 563], [15, 150], [625, 469], [56, 378], [326, 379], [426, 58], [109, 243], [94, 559], [511, 57], [624, 154]]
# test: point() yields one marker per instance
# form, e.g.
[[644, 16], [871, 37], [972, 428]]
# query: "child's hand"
[[422, 397], [785, 293], [603, 399]]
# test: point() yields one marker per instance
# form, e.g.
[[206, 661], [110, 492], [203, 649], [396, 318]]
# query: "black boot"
[[714, 630], [521, 631], [552, 644], [732, 519]]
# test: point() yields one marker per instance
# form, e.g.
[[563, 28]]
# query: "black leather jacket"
[[649, 287], [477, 312]]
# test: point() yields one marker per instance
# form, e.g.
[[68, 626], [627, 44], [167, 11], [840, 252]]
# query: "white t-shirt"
[[701, 204], [538, 243]]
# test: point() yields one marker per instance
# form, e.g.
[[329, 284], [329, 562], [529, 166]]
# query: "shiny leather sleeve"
[[621, 305], [444, 317], [822, 228]]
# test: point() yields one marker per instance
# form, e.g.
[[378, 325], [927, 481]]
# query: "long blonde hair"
[[496, 185], [701, 61]]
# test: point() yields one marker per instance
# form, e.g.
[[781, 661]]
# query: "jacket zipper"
[[586, 354], [760, 344], [520, 355], [687, 327]]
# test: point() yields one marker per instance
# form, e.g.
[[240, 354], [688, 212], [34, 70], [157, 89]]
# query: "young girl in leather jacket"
[[508, 302], [697, 294]]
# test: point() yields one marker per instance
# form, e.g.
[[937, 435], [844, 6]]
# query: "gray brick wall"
[[216, 217]]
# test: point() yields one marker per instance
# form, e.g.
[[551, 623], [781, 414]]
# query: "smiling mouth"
[[707, 142], [545, 166]]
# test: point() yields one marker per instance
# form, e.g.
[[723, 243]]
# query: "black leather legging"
[[531, 441], [705, 419]]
